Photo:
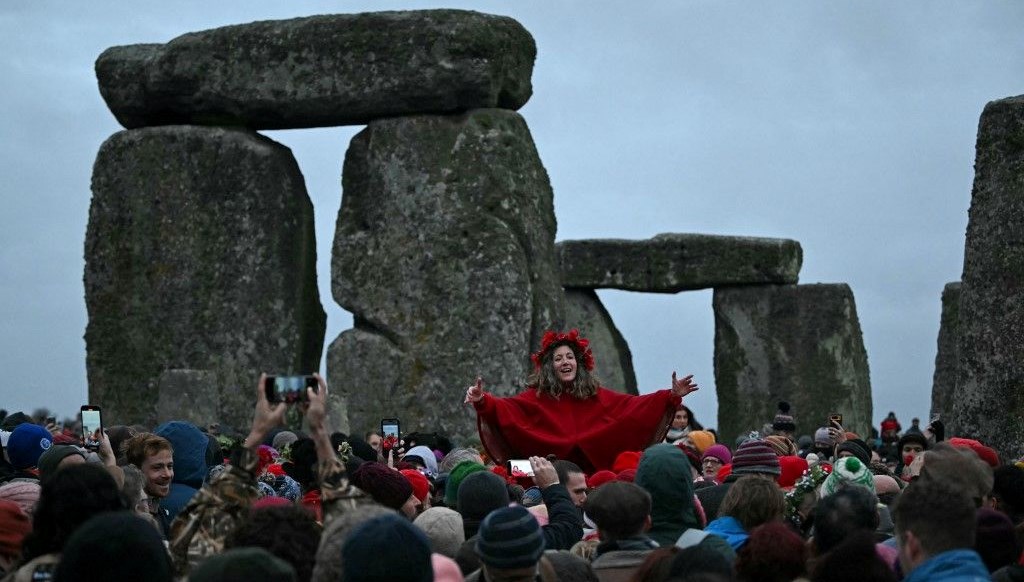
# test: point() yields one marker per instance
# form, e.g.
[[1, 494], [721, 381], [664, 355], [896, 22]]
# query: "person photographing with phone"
[[565, 411]]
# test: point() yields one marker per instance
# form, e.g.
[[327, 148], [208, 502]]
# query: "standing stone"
[[613, 362], [200, 254], [444, 254], [944, 381], [989, 405], [799, 343], [670, 263], [339, 69]]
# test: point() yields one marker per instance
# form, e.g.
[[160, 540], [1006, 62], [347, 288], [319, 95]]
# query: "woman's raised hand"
[[475, 393], [682, 387]]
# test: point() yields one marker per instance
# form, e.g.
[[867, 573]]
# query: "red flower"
[[581, 346]]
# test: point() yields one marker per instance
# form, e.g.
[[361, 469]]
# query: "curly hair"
[[545, 381], [289, 532]]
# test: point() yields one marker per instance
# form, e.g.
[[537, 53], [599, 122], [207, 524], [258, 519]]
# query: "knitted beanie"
[[243, 565], [420, 485], [116, 545], [995, 540], [628, 475], [792, 468], [510, 538], [783, 421], [857, 448], [600, 478], [50, 460], [26, 444], [387, 486], [14, 526], [822, 438], [885, 484], [23, 493], [911, 437], [283, 439], [386, 549], [626, 460], [755, 456], [847, 470], [782, 446], [443, 527], [986, 454], [720, 452], [701, 439], [481, 493], [459, 472]]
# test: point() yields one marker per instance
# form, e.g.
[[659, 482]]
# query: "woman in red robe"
[[565, 412]]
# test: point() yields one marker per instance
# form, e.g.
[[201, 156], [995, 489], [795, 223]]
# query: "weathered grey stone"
[[799, 343], [340, 69], [189, 395], [444, 253], [613, 362], [669, 263], [989, 403], [944, 380], [200, 254]]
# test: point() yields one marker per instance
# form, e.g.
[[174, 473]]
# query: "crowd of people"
[[183, 502]]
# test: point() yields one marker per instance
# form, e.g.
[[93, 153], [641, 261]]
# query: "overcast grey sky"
[[848, 126]]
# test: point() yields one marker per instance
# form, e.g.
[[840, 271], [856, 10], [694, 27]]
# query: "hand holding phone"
[[519, 468], [92, 426], [390, 434], [288, 389]]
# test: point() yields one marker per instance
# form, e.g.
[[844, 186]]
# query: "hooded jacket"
[[190, 466], [952, 566], [664, 472]]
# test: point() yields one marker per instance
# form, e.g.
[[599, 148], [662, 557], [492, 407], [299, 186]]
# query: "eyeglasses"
[[711, 461]]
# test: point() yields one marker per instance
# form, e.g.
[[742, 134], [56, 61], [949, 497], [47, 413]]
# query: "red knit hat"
[[626, 460], [600, 478], [792, 468], [14, 526], [628, 475], [420, 485], [984, 453]]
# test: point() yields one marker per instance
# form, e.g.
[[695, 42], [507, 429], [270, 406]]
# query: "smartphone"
[[389, 427], [835, 419], [92, 426], [519, 467], [288, 389]]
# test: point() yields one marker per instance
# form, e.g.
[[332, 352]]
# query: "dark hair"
[[854, 560], [1008, 490], [118, 435], [115, 545], [691, 420], [545, 381], [570, 568], [303, 464], [288, 532], [656, 566], [619, 509], [699, 560], [66, 501], [773, 553], [940, 515], [753, 501], [563, 468], [836, 517]]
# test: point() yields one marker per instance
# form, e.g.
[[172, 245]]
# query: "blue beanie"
[[26, 444], [387, 549]]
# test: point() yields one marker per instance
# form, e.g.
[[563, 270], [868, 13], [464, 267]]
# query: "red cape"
[[590, 432]]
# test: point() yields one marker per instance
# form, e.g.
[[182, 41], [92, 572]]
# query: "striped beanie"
[[755, 456], [510, 538]]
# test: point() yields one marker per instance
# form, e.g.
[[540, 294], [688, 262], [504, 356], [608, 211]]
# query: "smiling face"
[[564, 363], [159, 471]]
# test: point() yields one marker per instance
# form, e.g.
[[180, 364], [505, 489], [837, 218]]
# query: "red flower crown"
[[581, 345]]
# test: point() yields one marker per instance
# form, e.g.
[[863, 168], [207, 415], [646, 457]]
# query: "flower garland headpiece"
[[581, 346]]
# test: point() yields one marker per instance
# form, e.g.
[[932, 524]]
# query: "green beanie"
[[459, 472], [848, 470]]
